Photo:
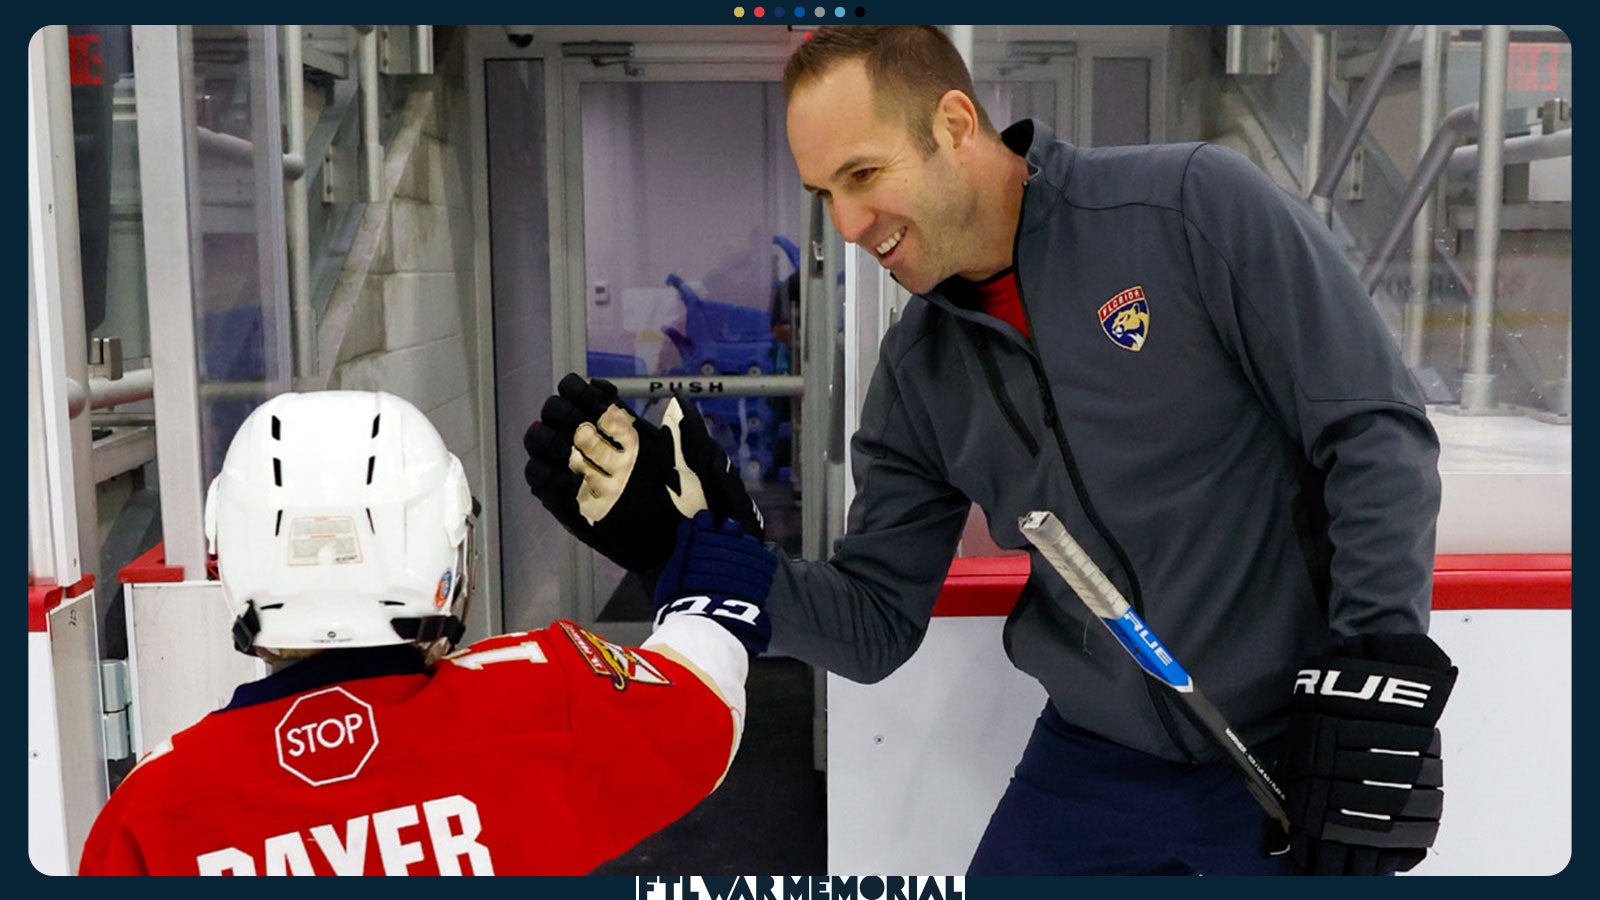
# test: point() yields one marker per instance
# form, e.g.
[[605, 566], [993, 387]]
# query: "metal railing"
[[1372, 91], [307, 254], [1463, 141]]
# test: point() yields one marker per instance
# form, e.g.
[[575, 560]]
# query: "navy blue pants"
[[1081, 805]]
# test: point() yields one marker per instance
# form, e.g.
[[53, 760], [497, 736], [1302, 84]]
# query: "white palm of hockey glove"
[[605, 455], [621, 484]]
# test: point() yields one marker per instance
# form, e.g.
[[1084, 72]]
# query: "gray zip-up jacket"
[[1248, 460]]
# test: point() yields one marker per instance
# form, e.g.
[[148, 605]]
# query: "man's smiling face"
[[911, 210]]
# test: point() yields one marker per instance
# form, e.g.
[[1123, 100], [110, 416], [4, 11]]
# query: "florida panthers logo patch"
[[1125, 318], [608, 660]]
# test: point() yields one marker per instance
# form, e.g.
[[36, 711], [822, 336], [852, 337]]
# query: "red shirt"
[[996, 295], [537, 753]]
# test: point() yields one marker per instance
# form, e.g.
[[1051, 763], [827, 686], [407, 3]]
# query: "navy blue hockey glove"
[[718, 571], [1362, 771], [621, 484]]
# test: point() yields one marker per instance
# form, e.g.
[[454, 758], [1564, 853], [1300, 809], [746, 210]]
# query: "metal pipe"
[[1388, 55], [700, 387], [1234, 64], [227, 146], [1477, 382], [424, 60], [265, 101], [104, 393], [1452, 132], [239, 150], [812, 426], [370, 144], [1316, 117], [1563, 404], [303, 317], [123, 420], [1422, 227], [1522, 149]]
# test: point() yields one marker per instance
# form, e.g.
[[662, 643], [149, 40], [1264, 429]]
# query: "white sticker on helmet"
[[323, 541]]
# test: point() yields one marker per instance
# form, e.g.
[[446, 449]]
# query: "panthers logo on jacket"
[[1125, 318]]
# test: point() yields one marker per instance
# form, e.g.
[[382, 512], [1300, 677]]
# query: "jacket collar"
[[1049, 165], [328, 668]]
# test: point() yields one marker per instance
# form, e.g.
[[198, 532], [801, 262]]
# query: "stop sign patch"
[[327, 736]]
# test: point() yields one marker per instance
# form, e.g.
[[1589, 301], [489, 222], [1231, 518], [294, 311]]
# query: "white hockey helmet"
[[340, 519]]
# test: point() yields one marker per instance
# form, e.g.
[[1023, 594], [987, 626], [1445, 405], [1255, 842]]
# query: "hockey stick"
[[1046, 532]]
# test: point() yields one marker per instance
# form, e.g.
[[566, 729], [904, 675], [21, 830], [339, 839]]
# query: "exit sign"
[[87, 66], [1534, 67]]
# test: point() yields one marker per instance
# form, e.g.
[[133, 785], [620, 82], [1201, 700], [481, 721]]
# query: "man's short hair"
[[910, 66]]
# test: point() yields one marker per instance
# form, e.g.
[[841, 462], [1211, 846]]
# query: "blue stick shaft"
[[1080, 572]]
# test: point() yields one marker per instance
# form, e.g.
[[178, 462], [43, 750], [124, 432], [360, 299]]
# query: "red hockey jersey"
[[540, 753]]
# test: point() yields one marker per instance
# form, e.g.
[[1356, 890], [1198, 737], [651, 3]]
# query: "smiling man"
[[913, 188], [1168, 351]]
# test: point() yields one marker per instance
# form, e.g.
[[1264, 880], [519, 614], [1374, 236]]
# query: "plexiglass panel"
[[685, 192], [692, 231], [241, 301], [532, 544], [109, 210]]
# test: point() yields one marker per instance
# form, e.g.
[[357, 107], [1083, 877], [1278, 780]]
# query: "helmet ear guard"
[[340, 519]]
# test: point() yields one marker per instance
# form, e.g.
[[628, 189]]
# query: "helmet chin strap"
[[429, 629], [245, 629], [436, 635]]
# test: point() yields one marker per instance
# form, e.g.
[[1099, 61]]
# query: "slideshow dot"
[[799, 12], [777, 11], [821, 11], [838, 12], [738, 12], [861, 12], [761, 11]]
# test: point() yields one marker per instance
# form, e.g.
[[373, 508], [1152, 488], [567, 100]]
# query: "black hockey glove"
[[622, 485], [718, 571], [1361, 766]]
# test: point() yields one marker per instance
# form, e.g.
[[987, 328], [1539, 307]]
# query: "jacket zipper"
[[1157, 698], [991, 374]]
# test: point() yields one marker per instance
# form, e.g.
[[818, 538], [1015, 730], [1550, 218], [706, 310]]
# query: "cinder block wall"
[[408, 286]]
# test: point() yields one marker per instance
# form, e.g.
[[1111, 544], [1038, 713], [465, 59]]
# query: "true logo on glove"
[[1384, 689], [725, 607]]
